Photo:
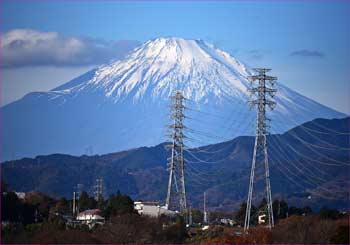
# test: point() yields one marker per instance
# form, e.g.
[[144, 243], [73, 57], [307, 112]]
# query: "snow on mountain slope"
[[162, 65], [124, 104]]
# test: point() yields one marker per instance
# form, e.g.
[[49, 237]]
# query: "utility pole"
[[36, 216], [262, 92], [74, 204], [176, 194], [205, 213], [190, 215]]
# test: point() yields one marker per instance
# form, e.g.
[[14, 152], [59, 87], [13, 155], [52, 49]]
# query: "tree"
[[327, 213], [15, 210], [118, 204], [306, 210], [197, 215], [11, 207], [62, 206], [263, 204], [176, 233], [280, 209], [41, 202], [4, 187], [86, 202], [240, 216], [294, 211]]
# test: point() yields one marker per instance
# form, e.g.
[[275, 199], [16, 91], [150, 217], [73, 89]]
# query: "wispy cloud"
[[27, 47], [256, 54], [308, 53]]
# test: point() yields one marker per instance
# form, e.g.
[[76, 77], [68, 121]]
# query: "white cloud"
[[27, 47]]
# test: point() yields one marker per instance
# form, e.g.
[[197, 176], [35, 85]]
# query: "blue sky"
[[306, 43]]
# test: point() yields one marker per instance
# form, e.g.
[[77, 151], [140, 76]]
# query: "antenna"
[[176, 194], [263, 93]]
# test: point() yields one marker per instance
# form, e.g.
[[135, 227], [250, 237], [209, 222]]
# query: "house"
[[91, 217], [261, 219], [226, 221], [152, 209], [21, 195]]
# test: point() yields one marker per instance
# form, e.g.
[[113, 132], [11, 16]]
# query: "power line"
[[248, 123], [305, 129], [304, 165], [307, 145], [330, 130], [336, 162], [301, 179], [204, 161], [217, 172], [290, 163]]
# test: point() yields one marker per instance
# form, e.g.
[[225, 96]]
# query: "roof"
[[98, 217], [146, 203], [90, 212]]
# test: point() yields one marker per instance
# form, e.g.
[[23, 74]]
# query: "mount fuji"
[[124, 104]]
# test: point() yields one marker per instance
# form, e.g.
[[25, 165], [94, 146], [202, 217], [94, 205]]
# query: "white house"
[[21, 195], [91, 217], [152, 209], [261, 219], [226, 221]]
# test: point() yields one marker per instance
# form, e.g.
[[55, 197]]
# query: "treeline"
[[113, 205], [293, 225], [281, 210], [38, 207], [37, 219]]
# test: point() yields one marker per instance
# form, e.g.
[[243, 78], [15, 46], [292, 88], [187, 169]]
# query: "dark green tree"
[[86, 202], [306, 210], [176, 233], [263, 205], [294, 211], [15, 210], [118, 204], [328, 213], [280, 209], [197, 216], [11, 207], [42, 203], [63, 206], [240, 215]]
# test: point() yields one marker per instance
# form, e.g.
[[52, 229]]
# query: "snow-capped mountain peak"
[[124, 104], [160, 66]]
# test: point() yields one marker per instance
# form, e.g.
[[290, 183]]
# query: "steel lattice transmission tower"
[[263, 93], [98, 189], [176, 195]]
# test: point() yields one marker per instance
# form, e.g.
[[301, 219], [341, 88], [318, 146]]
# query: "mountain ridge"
[[223, 169]]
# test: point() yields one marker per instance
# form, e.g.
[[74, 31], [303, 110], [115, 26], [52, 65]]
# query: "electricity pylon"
[[79, 189], [98, 189], [262, 93], [176, 195]]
